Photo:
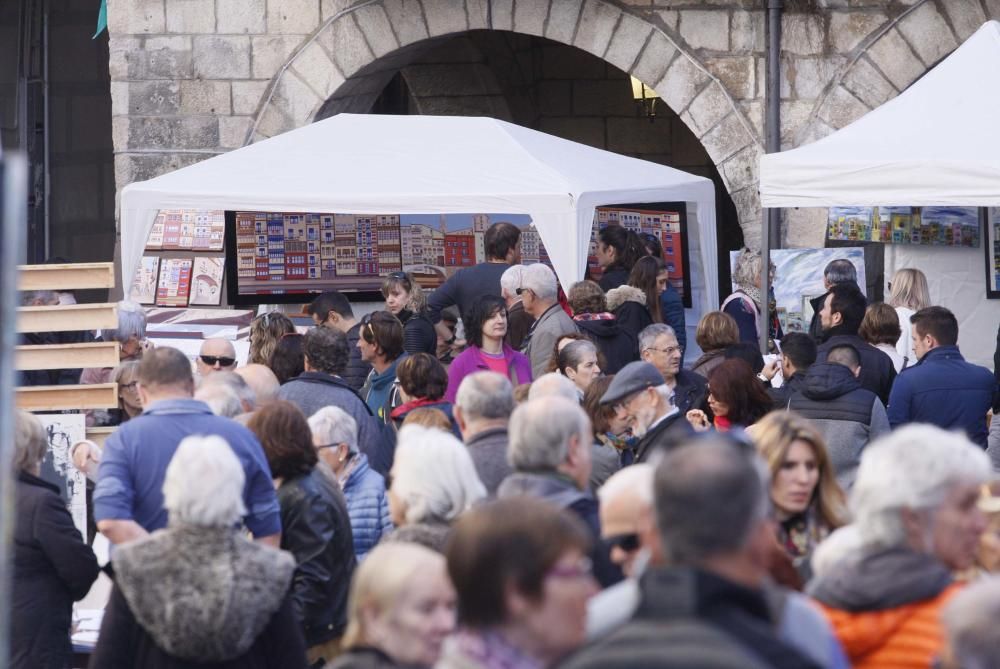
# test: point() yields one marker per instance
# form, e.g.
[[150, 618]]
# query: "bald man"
[[262, 381], [216, 355]]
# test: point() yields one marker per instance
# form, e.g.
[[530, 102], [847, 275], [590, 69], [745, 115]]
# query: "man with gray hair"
[[553, 384], [659, 347], [518, 320], [836, 271], [642, 399], [482, 411], [706, 606], [549, 449], [539, 294], [970, 622]]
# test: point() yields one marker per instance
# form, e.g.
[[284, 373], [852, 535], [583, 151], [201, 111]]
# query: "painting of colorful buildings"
[[926, 226], [283, 252]]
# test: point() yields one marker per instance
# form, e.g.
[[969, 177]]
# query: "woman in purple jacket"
[[485, 328]]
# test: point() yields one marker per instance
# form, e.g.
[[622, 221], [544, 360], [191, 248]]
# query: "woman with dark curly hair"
[[315, 526], [265, 331], [735, 397], [288, 359], [485, 327]]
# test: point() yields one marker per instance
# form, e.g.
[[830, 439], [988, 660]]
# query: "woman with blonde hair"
[[746, 304], [806, 501], [406, 300], [908, 294], [400, 611], [265, 331]]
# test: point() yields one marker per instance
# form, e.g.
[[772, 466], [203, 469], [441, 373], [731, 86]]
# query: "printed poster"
[[175, 282], [155, 241], [206, 281]]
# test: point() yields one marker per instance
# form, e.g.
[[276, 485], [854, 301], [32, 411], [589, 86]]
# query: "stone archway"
[[351, 56]]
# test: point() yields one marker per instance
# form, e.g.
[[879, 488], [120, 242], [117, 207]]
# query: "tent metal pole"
[[13, 220], [771, 220]]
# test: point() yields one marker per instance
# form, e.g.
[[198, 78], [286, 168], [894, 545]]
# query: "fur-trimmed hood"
[[622, 294], [203, 594]]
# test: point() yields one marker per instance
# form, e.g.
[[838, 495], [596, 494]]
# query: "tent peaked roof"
[[354, 158], [376, 164], [936, 143]]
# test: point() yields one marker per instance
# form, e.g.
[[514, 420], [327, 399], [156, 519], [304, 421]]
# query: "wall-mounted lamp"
[[645, 98]]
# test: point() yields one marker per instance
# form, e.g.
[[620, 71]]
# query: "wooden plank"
[[68, 356], [67, 317], [66, 277], [68, 398], [99, 435]]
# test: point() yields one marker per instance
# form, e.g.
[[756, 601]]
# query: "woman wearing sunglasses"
[[405, 300]]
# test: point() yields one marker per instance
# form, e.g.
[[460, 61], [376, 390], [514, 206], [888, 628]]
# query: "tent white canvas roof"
[[936, 143], [376, 164]]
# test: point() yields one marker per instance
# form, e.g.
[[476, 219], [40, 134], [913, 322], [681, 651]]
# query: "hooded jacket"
[[885, 607], [200, 594], [877, 370], [847, 415], [628, 304], [381, 391], [613, 343]]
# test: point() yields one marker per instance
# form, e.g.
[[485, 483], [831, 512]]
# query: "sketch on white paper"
[[63, 430]]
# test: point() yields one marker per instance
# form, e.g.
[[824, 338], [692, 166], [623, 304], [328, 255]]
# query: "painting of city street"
[[283, 253], [926, 226]]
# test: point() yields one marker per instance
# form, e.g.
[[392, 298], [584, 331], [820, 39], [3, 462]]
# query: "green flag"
[[102, 18]]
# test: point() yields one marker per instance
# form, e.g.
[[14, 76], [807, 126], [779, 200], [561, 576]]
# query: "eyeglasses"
[[129, 386], [366, 322], [582, 568], [521, 291], [670, 350], [320, 448], [627, 542], [221, 360], [399, 276]]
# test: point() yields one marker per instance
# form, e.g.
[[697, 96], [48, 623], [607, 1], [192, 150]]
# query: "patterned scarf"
[[801, 533], [489, 650], [604, 316]]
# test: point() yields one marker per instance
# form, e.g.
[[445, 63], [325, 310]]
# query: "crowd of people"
[[500, 475]]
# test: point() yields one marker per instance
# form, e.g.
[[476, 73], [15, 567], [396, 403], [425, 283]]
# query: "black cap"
[[632, 378]]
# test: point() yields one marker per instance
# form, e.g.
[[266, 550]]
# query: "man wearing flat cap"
[[642, 399]]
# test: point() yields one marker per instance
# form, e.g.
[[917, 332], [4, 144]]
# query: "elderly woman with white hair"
[[53, 567], [433, 481], [200, 592], [335, 436], [130, 335], [916, 522]]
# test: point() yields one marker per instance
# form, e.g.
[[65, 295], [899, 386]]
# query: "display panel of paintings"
[[798, 279], [279, 257], [174, 286], [992, 249], [206, 281], [145, 281], [188, 230], [924, 226]]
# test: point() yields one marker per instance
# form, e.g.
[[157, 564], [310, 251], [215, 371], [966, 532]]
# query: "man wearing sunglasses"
[[216, 355]]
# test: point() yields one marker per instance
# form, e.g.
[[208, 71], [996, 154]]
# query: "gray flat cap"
[[632, 378]]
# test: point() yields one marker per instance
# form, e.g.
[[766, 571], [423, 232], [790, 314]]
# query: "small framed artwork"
[[992, 249], [206, 281], [145, 282], [174, 286]]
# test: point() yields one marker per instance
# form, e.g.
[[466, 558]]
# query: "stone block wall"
[[192, 78]]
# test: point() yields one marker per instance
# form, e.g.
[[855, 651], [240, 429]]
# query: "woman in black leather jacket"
[[315, 526], [405, 299]]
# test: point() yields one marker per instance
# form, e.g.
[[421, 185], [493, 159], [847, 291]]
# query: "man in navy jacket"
[[942, 389]]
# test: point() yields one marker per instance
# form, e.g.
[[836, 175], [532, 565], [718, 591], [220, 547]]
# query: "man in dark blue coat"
[[942, 389]]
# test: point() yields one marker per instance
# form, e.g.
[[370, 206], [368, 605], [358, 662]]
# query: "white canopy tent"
[[936, 143], [375, 164]]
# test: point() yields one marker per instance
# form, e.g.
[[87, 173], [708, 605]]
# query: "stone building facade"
[[193, 78]]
